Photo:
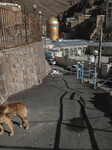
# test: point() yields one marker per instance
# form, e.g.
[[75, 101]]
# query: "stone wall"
[[21, 68], [61, 61], [105, 70], [67, 61]]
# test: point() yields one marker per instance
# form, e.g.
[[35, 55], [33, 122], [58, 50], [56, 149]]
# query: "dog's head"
[[3, 109]]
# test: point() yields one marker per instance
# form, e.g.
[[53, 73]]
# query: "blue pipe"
[[82, 70], [77, 70], [71, 67], [89, 71], [95, 73]]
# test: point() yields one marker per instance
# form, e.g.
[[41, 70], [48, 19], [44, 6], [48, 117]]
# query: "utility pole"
[[100, 47]]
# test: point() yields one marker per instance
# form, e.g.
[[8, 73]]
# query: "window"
[[110, 5], [109, 15], [109, 10]]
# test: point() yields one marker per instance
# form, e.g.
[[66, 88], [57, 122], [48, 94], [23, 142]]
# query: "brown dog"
[[8, 111]]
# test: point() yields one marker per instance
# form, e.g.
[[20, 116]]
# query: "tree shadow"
[[58, 129], [70, 87], [72, 96], [81, 123], [101, 101], [94, 144], [76, 124]]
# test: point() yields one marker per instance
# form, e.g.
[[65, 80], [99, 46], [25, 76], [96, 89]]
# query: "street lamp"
[[95, 53], [34, 8], [40, 14]]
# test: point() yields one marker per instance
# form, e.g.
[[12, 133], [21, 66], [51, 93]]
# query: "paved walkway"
[[63, 114]]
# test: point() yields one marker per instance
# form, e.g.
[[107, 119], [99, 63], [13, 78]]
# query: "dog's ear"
[[6, 110], [3, 107]]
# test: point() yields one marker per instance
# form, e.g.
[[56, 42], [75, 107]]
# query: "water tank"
[[49, 55], [52, 28], [91, 58]]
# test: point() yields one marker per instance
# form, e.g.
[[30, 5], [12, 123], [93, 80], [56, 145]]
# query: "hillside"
[[48, 7]]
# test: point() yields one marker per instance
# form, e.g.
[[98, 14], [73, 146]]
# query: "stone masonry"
[[21, 68]]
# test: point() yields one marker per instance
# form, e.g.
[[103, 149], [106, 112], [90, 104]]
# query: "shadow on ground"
[[101, 101]]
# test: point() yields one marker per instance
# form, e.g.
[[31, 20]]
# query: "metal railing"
[[89, 73], [17, 29], [103, 82]]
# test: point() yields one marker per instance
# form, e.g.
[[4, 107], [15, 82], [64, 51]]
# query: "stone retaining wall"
[[105, 70], [21, 68], [67, 61]]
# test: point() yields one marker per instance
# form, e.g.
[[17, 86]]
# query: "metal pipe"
[[82, 71], [89, 70], [95, 73], [71, 69], [77, 70]]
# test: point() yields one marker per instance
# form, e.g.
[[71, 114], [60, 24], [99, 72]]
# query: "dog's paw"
[[27, 128], [11, 134], [1, 133], [20, 125]]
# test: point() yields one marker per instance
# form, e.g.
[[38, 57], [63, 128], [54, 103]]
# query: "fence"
[[81, 72], [17, 29]]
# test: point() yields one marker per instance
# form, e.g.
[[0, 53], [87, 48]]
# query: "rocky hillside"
[[48, 7]]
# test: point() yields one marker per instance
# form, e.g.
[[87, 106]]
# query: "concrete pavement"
[[63, 114]]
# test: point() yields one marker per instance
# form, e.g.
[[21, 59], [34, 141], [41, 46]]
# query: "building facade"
[[109, 14]]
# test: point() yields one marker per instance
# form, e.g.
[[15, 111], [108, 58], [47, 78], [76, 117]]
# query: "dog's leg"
[[21, 125], [24, 120], [10, 125], [9, 115], [2, 131]]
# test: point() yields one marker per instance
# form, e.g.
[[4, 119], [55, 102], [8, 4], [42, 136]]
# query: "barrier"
[[81, 73], [104, 81]]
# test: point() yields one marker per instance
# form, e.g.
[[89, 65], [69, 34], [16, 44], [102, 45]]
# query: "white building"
[[109, 14]]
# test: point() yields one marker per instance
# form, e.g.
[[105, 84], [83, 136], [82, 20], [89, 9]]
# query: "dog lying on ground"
[[8, 111]]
